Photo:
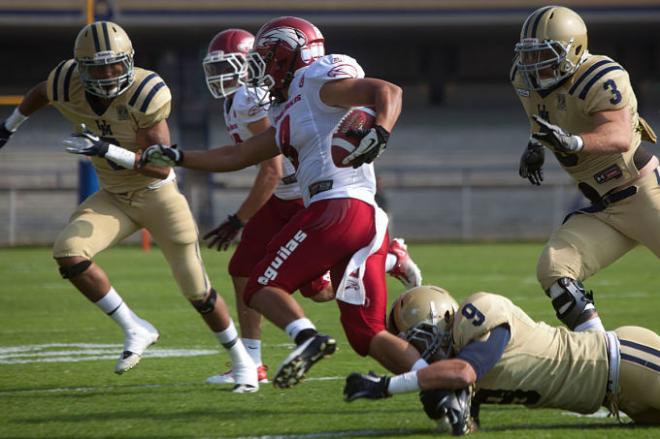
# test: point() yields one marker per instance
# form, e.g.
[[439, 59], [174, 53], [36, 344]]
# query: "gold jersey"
[[542, 366], [599, 84], [146, 102]]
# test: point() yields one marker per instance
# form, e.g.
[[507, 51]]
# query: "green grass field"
[[46, 390]]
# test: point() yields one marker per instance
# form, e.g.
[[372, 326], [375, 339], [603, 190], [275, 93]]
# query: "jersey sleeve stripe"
[[67, 81], [640, 347], [587, 73], [106, 37], [95, 35], [151, 95], [538, 18], [143, 84], [596, 77], [640, 361], [56, 79]]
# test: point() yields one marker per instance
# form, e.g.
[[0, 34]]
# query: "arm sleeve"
[[482, 355]]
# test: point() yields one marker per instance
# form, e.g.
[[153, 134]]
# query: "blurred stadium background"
[[450, 171]]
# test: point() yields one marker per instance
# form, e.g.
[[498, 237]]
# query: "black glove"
[[531, 162], [373, 143], [371, 386], [453, 406], [556, 137], [5, 134], [225, 233], [86, 143]]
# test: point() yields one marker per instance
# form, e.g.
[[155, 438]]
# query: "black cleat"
[[294, 367]]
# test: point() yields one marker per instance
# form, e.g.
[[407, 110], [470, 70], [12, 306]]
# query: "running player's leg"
[[581, 247], [97, 224]]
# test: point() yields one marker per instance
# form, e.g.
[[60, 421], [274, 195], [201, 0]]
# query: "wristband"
[[235, 221], [120, 156], [15, 120]]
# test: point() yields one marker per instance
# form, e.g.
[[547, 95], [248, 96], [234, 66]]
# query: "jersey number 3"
[[616, 94]]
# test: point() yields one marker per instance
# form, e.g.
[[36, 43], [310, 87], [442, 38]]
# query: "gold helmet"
[[98, 45], [423, 316], [553, 43]]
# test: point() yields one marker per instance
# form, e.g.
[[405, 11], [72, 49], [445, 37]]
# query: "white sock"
[[294, 328], [404, 383], [230, 341], [113, 305], [253, 347], [390, 262], [590, 325]]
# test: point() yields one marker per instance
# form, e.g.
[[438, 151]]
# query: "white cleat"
[[246, 378], [137, 340], [405, 268], [228, 377]]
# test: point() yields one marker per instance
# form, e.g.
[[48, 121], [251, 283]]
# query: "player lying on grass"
[[491, 345]]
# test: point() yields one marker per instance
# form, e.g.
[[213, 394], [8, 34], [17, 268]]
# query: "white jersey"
[[305, 126], [241, 109]]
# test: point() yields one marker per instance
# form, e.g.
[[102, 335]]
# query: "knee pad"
[[207, 305], [571, 302], [71, 271]]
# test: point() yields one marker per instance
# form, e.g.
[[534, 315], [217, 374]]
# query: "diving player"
[[124, 109], [583, 108], [491, 344]]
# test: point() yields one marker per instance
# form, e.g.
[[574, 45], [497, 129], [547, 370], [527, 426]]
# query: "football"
[[346, 138]]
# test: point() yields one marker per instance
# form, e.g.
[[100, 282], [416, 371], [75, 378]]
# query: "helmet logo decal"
[[288, 35], [245, 45]]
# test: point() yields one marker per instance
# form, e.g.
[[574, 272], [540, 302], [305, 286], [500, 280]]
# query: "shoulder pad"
[[59, 81], [148, 93], [245, 103], [592, 74], [332, 67], [477, 316]]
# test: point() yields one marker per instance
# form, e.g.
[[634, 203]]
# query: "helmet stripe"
[[136, 95], [105, 35], [56, 78], [67, 80], [587, 73], [597, 76], [538, 18], [151, 95], [95, 35]]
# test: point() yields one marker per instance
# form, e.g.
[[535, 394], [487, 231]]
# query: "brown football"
[[343, 140]]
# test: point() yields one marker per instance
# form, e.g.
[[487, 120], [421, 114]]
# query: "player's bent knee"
[[205, 305], [572, 304], [76, 269]]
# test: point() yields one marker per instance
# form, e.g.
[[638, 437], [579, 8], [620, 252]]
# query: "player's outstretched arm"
[[34, 100], [158, 133], [223, 159], [612, 132]]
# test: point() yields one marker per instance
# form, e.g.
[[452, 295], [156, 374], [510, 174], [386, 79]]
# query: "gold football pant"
[[105, 218], [639, 376], [589, 242]]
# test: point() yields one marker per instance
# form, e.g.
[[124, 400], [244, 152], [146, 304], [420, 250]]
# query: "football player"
[[582, 107], [491, 344], [341, 229], [125, 109], [275, 195]]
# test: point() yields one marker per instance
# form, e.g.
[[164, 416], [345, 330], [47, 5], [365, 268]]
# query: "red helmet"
[[282, 46], [225, 64]]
